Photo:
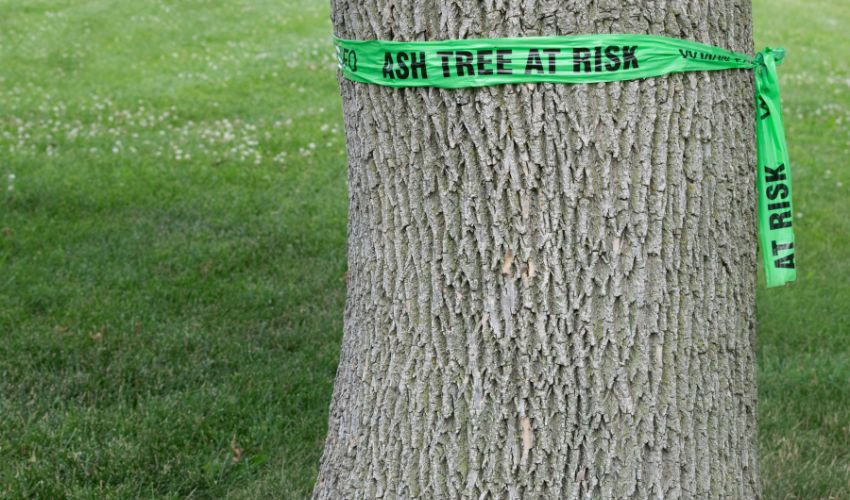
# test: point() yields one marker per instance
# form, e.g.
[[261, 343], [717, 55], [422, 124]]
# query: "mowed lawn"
[[172, 249]]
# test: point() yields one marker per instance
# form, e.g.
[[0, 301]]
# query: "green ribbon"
[[593, 59], [776, 212]]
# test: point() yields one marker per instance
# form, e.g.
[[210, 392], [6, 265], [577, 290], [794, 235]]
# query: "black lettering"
[[780, 220], [401, 60], [417, 66], [581, 58], [779, 206], [786, 262], [550, 54], [611, 54], [774, 174], [388, 66], [777, 191], [780, 247], [597, 59], [534, 62], [629, 58], [444, 61], [483, 61], [502, 59], [763, 106], [348, 58], [463, 60]]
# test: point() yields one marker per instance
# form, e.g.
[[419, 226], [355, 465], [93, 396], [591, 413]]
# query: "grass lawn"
[[172, 249]]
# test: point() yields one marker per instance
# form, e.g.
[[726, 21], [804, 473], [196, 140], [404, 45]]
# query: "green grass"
[[804, 331], [172, 250]]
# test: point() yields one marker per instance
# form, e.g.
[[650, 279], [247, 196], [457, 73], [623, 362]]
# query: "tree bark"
[[551, 287]]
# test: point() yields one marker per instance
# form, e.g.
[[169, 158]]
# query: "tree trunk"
[[551, 287]]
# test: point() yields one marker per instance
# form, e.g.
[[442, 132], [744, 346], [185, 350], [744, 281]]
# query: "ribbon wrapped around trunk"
[[593, 59]]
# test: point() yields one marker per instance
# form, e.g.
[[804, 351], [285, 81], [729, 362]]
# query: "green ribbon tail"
[[775, 210]]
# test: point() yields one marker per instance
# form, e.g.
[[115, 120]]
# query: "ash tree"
[[551, 287]]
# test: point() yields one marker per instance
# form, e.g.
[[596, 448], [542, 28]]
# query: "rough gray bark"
[[551, 287]]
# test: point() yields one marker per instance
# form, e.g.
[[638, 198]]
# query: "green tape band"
[[776, 212], [594, 59]]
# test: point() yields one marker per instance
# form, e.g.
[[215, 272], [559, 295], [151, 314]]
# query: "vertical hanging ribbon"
[[599, 58], [775, 210]]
